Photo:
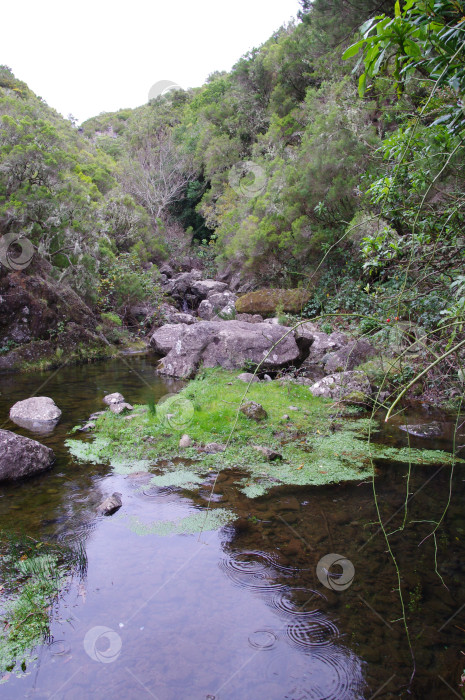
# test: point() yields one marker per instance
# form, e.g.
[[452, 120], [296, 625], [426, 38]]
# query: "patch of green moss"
[[316, 447], [267, 301]]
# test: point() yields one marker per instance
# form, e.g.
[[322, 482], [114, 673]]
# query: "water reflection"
[[238, 613]]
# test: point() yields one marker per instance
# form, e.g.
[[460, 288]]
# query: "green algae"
[[317, 446], [203, 521]]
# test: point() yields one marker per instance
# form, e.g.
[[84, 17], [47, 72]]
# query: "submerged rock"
[[21, 457], [254, 410], [424, 430], [111, 504], [39, 414]]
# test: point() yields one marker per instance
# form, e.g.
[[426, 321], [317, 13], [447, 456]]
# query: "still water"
[[237, 613]]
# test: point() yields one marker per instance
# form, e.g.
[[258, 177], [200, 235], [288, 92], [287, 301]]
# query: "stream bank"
[[240, 610]]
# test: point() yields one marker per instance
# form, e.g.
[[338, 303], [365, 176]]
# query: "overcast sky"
[[98, 56]]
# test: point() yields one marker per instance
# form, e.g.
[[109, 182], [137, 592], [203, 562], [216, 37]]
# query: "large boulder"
[[206, 310], [111, 399], [205, 288], [39, 414], [349, 356], [179, 285], [170, 314], [20, 456], [228, 344], [166, 337], [218, 305], [352, 386], [321, 344], [267, 301]]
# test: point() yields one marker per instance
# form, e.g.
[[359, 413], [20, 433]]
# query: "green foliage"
[[425, 37], [124, 282], [34, 574]]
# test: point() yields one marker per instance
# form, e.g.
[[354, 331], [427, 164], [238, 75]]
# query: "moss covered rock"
[[267, 301]]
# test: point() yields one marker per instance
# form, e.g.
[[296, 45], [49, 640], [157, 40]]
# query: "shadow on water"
[[238, 612]]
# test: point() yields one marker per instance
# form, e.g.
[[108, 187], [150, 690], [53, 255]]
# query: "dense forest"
[[330, 158]]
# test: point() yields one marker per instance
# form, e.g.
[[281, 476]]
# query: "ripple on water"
[[296, 603], [254, 570], [59, 647], [309, 634], [263, 639], [165, 494], [334, 673]]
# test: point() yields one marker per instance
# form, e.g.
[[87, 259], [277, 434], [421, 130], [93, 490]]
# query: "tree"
[[427, 37], [156, 172]]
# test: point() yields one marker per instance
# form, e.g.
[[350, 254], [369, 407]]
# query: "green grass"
[[33, 576], [318, 446]]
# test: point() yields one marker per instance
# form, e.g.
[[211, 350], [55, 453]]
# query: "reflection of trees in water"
[[34, 576]]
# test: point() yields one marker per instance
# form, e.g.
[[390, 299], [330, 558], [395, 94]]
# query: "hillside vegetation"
[[330, 158]]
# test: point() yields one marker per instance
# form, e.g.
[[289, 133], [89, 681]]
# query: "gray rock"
[[306, 330], [424, 430], [254, 410], [214, 447], [165, 338], [97, 414], [285, 416], [186, 441], [110, 399], [111, 504], [206, 310], [267, 378], [21, 457], [343, 385], [39, 414], [87, 426], [204, 288], [289, 379], [227, 344], [250, 318], [271, 455], [348, 357], [166, 269], [171, 315], [247, 377], [322, 344], [119, 408], [221, 299], [181, 317], [180, 284]]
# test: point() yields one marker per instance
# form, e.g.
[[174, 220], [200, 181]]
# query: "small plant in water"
[[34, 574]]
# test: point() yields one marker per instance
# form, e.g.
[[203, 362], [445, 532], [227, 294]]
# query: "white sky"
[[98, 56]]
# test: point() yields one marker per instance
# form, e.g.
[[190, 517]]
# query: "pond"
[[238, 611]]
